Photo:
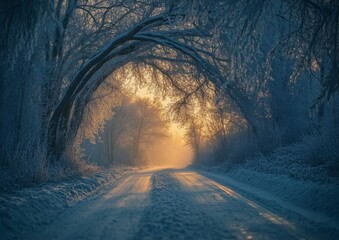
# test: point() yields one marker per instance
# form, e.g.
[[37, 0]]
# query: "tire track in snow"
[[173, 214], [186, 205]]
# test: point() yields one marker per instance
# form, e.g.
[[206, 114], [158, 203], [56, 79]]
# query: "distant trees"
[[195, 135], [137, 125], [147, 127]]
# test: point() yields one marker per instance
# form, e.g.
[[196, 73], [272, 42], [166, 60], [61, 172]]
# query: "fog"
[[170, 154], [139, 132]]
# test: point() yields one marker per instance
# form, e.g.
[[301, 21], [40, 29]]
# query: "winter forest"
[[245, 88]]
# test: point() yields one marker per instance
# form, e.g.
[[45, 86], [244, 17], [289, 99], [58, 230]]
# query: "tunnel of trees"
[[263, 73]]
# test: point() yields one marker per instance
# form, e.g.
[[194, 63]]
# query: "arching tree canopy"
[[248, 58], [145, 41]]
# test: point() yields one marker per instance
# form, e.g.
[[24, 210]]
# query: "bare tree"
[[137, 124], [195, 135], [147, 127]]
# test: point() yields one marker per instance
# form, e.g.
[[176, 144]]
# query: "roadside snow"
[[25, 209], [113, 213], [316, 202]]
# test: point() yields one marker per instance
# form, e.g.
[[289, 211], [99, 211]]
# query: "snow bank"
[[315, 196], [24, 209], [320, 198]]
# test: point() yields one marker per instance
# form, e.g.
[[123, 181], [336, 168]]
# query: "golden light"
[[173, 152]]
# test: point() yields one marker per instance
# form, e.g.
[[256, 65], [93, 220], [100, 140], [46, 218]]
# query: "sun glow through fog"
[[174, 152]]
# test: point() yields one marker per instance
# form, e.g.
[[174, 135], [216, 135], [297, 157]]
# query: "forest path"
[[174, 204]]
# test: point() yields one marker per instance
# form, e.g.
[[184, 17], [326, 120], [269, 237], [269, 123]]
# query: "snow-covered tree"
[[57, 59]]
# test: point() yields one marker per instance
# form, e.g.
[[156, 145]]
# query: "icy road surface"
[[179, 204]]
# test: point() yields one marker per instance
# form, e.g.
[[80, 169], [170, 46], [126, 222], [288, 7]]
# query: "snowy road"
[[176, 204]]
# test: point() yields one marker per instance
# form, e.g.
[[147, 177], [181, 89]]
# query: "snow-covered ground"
[[317, 197], [164, 204], [24, 211], [314, 202]]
